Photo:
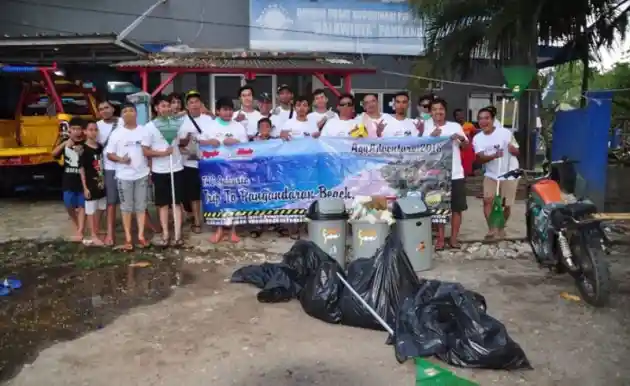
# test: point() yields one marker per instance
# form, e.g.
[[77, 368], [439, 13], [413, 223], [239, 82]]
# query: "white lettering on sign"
[[358, 23]]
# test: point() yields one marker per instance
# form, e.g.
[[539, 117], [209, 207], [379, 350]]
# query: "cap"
[[265, 97], [192, 94], [283, 87]]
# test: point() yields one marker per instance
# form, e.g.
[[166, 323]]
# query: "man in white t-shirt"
[[299, 126], [165, 157], [224, 132], [497, 150], [342, 126], [321, 112], [372, 118], [132, 173], [400, 125], [424, 113], [439, 127], [106, 126], [194, 124], [247, 115], [284, 110]]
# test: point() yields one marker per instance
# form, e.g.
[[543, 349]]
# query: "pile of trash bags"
[[429, 317]]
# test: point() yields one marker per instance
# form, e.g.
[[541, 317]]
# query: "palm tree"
[[509, 31]]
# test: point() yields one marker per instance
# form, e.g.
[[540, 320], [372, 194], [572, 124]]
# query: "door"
[[227, 85]]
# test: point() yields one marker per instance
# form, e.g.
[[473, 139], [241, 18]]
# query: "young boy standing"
[[71, 185], [93, 181]]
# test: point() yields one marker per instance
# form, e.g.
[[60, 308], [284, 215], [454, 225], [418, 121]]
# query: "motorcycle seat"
[[578, 209]]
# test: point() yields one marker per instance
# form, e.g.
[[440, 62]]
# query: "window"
[[385, 97]]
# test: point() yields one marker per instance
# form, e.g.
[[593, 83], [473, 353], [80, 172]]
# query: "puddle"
[[63, 303]]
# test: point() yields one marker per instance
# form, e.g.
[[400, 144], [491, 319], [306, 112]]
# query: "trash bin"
[[367, 237], [327, 227], [413, 224]]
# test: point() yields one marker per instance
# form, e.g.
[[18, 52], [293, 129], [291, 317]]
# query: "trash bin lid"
[[327, 209], [410, 208]]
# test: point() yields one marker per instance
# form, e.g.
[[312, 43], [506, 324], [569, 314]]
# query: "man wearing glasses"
[[424, 114], [342, 126]]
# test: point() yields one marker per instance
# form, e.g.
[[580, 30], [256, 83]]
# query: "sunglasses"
[[345, 104]]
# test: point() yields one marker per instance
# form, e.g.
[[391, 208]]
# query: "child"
[[93, 181], [73, 198], [264, 130]]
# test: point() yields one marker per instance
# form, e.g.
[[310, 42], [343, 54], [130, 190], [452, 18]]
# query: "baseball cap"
[[192, 94], [265, 97], [283, 87]]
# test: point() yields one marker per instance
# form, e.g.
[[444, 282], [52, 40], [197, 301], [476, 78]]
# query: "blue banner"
[[271, 182], [346, 26]]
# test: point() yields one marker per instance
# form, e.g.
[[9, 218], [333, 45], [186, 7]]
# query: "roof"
[[239, 62], [68, 48]]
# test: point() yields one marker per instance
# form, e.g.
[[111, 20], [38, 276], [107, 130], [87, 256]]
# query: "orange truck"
[[45, 106]]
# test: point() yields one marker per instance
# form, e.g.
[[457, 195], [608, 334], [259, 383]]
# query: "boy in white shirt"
[[284, 111], [132, 173], [194, 124], [441, 128], [247, 115], [497, 150], [161, 152], [342, 126], [224, 132], [299, 126], [322, 113]]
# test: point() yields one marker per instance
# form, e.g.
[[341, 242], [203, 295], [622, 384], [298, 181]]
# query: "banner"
[[345, 26], [272, 182]]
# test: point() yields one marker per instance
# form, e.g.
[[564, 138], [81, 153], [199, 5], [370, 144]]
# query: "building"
[[378, 32]]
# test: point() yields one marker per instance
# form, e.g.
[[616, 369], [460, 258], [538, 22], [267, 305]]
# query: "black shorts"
[[458, 195], [162, 188], [192, 185]]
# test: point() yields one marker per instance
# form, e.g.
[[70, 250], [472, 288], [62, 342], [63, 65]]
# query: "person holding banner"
[[224, 132], [342, 126], [372, 118], [299, 126], [321, 113], [195, 123], [441, 128], [247, 115], [401, 125], [167, 170]]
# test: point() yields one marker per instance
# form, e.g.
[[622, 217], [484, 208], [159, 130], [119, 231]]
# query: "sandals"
[[126, 247], [455, 245], [142, 243], [162, 242], [196, 229], [178, 243]]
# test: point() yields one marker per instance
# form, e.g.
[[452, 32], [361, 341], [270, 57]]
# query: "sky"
[[609, 58]]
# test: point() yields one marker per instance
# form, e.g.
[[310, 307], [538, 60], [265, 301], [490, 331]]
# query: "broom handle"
[[176, 213], [499, 181], [503, 110]]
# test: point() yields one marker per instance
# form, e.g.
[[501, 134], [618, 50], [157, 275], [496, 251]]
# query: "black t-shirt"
[[91, 161], [71, 180]]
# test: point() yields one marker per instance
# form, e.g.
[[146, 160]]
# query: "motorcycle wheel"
[[534, 241], [593, 279]]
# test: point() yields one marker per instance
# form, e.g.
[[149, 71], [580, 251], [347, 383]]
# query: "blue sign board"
[[344, 26]]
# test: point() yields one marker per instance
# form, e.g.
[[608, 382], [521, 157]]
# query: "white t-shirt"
[[104, 132], [251, 121], [489, 144], [126, 142], [371, 123], [449, 128], [316, 117], [156, 141], [400, 128], [338, 127], [300, 129], [281, 117], [221, 130], [204, 121]]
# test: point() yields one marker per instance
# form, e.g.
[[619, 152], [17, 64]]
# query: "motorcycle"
[[563, 235]]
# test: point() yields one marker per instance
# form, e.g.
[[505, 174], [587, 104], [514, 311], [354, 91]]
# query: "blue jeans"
[[73, 200]]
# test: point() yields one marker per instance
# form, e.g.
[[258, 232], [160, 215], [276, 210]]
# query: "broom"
[[496, 219]]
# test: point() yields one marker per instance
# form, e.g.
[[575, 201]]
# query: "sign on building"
[[344, 26]]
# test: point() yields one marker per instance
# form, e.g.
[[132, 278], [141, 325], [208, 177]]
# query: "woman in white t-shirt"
[[441, 128], [497, 150]]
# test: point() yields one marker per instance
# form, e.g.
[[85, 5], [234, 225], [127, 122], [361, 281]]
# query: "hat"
[[192, 94], [284, 87], [265, 97]]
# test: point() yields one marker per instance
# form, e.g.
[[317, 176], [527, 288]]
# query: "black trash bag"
[[448, 321], [321, 294], [382, 281], [277, 281], [305, 257]]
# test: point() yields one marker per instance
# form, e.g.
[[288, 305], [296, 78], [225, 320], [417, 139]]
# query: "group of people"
[[116, 162]]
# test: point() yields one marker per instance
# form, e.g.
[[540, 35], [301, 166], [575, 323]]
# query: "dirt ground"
[[211, 332]]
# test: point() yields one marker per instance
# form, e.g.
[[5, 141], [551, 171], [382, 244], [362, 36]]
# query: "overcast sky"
[[609, 58]]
